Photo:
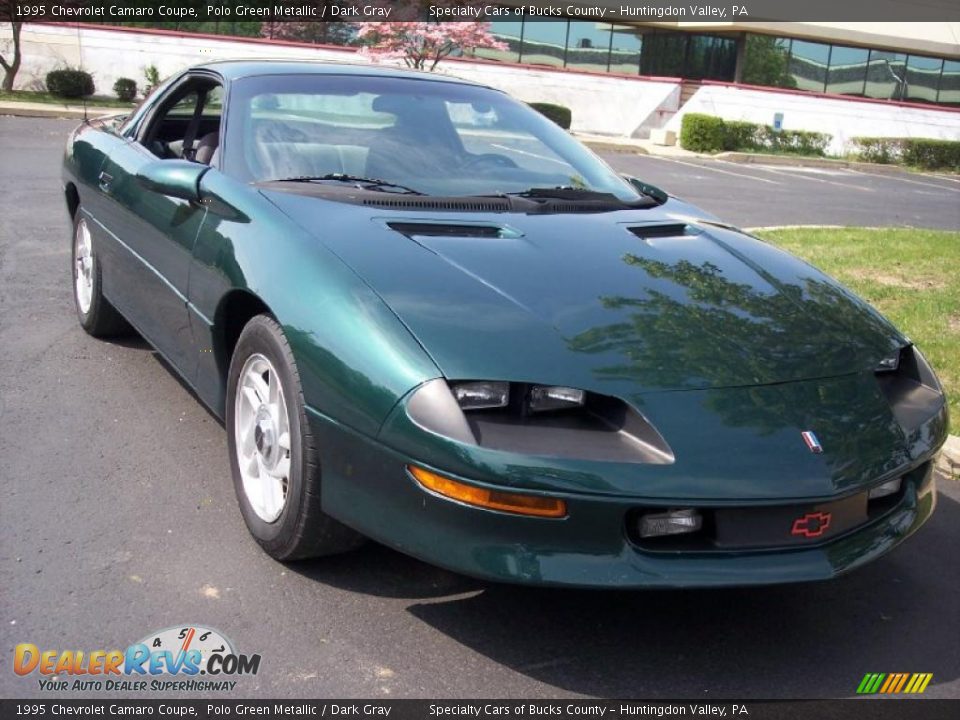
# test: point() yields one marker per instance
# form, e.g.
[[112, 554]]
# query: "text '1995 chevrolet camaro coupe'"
[[429, 316]]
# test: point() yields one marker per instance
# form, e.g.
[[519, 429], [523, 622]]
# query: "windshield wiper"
[[570, 193], [363, 182]]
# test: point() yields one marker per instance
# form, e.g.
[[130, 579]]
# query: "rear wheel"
[[95, 313], [273, 456]]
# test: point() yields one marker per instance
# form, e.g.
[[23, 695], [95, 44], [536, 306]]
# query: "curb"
[[801, 161], [949, 462], [615, 147], [15, 109]]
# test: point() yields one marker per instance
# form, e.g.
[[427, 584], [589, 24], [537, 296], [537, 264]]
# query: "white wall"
[[843, 119], [600, 104]]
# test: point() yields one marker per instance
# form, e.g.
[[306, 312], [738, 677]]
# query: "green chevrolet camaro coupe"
[[427, 315]]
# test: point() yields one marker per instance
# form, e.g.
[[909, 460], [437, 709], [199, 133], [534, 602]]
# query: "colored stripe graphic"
[[862, 687], [894, 683]]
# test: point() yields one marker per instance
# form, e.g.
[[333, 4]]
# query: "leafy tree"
[[422, 45], [10, 60], [766, 63]]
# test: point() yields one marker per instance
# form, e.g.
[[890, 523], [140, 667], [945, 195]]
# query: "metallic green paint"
[[728, 346], [176, 178]]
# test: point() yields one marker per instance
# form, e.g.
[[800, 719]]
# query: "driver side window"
[[188, 124]]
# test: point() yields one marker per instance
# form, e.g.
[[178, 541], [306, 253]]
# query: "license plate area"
[[787, 525]]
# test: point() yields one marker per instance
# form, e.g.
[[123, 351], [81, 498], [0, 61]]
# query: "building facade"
[[900, 63]]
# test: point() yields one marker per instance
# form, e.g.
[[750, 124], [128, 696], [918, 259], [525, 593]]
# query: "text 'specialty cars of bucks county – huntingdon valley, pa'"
[[429, 316]]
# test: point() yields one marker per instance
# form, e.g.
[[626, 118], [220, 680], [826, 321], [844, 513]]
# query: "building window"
[[766, 62], [508, 32], [808, 65], [886, 75], [663, 54], [625, 45], [848, 70], [950, 83], [544, 43], [588, 46], [710, 57], [923, 78]]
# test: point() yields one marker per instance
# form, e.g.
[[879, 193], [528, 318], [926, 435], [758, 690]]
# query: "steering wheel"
[[488, 159]]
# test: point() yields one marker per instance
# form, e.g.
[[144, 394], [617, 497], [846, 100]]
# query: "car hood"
[[622, 303]]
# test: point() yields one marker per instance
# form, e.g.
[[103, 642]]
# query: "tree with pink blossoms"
[[422, 45]]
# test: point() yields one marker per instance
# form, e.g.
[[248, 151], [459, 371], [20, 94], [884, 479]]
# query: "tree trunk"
[[11, 68]]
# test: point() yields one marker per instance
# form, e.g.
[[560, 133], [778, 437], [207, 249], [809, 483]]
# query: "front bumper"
[[365, 485]]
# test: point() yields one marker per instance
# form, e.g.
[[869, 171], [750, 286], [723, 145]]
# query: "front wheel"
[[273, 457], [95, 313]]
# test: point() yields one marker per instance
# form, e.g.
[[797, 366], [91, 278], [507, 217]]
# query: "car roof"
[[236, 69]]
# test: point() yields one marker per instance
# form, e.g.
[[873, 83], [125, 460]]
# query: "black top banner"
[[105, 11]]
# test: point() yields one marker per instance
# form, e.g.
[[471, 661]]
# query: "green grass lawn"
[[44, 97], [911, 276]]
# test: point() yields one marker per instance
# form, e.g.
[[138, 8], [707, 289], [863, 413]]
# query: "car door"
[[155, 233]]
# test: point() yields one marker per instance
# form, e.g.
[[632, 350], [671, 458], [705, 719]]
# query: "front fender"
[[355, 358]]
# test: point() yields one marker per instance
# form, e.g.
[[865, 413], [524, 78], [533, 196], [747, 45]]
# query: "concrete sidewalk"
[[949, 463]]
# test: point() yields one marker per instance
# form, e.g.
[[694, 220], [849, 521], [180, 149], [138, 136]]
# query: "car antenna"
[[86, 120]]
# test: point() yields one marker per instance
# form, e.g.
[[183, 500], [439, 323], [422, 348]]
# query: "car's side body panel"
[[153, 237], [356, 358]]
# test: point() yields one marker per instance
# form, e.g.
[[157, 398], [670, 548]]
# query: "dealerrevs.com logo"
[[188, 658]]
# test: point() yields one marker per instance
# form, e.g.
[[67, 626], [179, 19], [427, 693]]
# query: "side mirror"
[[176, 178], [647, 189]]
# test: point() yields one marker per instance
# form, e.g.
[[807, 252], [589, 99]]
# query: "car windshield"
[[433, 137]]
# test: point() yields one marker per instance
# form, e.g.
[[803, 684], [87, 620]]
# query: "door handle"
[[106, 179]]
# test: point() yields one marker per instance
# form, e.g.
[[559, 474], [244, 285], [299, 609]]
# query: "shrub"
[[125, 89], [800, 142], [705, 133], [701, 133], [932, 154], [924, 153], [558, 113], [877, 150], [740, 135], [151, 76], [70, 83]]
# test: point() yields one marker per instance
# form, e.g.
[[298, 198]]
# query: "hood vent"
[[672, 230], [434, 203], [411, 229]]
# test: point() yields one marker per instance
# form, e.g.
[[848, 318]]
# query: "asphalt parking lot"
[[118, 518], [757, 195]]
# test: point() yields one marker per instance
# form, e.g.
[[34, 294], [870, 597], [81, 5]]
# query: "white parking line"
[[801, 176], [713, 169], [910, 181]]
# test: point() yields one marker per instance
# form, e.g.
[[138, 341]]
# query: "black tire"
[[100, 319], [302, 529]]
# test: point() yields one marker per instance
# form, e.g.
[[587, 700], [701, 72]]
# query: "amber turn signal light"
[[490, 499]]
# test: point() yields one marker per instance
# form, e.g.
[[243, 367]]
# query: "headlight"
[[889, 363], [481, 395], [553, 397], [487, 395], [543, 420], [911, 387]]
